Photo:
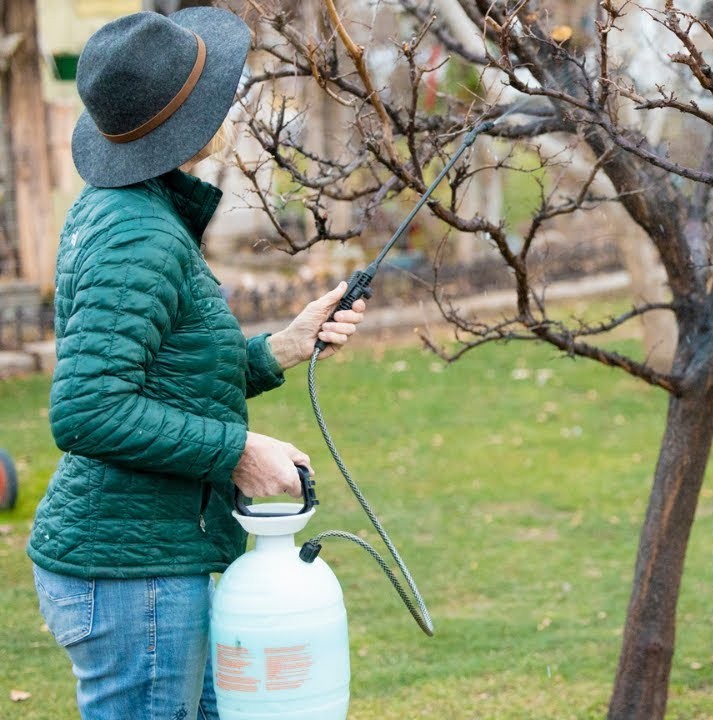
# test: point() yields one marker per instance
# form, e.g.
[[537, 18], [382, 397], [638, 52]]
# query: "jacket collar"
[[194, 200]]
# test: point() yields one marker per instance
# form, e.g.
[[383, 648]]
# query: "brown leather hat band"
[[162, 115]]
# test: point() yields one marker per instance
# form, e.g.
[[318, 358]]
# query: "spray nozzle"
[[482, 127]]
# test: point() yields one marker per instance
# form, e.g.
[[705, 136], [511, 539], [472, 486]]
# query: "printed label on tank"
[[283, 668], [233, 663], [286, 668]]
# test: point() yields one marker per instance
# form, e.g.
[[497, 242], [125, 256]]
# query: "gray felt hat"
[[156, 90]]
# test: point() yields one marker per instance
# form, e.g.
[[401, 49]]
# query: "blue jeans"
[[139, 647]]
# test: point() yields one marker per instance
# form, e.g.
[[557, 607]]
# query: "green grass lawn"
[[514, 483]]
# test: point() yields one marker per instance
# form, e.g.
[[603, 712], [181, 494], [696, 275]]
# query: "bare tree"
[[564, 102]]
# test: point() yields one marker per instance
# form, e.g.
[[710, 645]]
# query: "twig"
[[356, 52]]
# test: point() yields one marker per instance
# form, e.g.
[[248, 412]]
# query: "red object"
[[429, 98], [8, 482]]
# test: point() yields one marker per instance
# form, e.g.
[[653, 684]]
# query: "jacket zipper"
[[205, 497]]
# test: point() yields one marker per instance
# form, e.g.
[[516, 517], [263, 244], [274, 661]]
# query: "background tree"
[[569, 100], [25, 202]]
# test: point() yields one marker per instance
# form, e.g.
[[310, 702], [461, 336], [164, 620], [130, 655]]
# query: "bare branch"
[[357, 55], [566, 343], [668, 100], [641, 149], [524, 326], [694, 59], [441, 31]]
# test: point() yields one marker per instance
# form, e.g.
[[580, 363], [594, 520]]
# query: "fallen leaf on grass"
[[19, 695]]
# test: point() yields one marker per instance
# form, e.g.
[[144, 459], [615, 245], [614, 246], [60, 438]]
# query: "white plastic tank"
[[279, 639]]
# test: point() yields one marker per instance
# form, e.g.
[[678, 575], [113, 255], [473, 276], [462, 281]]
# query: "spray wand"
[[359, 287], [360, 281]]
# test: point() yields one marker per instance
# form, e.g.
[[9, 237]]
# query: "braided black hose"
[[420, 614]]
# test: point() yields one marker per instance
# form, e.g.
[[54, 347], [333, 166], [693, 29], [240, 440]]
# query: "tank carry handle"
[[309, 496]]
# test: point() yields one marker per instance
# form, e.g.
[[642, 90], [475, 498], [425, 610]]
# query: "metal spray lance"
[[360, 281]]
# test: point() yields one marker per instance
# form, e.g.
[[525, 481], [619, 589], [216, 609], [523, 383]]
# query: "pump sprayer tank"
[[279, 638]]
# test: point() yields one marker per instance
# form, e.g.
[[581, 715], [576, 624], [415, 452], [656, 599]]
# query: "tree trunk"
[[9, 256], [30, 160], [641, 685]]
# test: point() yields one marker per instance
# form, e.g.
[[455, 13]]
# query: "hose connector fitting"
[[309, 551]]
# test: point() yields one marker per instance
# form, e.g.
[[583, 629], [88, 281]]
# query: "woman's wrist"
[[285, 349]]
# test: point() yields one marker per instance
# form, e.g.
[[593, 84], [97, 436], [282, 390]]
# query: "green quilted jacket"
[[148, 395]]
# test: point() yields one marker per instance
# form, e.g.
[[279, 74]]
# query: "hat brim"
[[103, 163]]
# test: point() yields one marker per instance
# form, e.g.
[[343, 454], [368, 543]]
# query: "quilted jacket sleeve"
[[126, 296], [263, 372]]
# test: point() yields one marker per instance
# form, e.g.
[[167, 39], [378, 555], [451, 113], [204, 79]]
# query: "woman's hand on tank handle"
[[295, 343], [267, 467]]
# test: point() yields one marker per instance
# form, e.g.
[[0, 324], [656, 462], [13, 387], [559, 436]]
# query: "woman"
[[148, 396]]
